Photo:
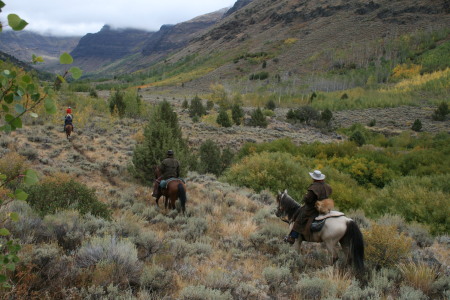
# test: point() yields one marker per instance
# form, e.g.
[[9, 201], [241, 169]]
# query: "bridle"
[[281, 213]]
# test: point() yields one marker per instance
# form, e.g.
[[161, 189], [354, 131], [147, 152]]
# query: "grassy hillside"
[[229, 245]]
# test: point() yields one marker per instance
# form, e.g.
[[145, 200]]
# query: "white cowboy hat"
[[317, 175]]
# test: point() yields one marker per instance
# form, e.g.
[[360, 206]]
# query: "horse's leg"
[[331, 247], [298, 245]]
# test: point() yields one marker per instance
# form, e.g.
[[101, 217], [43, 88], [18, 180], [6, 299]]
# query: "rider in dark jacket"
[[170, 168], [318, 190], [68, 121]]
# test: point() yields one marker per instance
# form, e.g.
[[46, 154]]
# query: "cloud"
[[88, 16]]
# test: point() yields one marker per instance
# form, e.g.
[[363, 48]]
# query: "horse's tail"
[[354, 238], [182, 196]]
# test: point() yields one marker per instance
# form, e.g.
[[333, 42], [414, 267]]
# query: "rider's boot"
[[289, 239]]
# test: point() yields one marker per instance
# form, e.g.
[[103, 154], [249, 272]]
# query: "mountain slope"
[[108, 45], [23, 44]]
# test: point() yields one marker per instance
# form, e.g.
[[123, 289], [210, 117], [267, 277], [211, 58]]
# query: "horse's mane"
[[289, 204]]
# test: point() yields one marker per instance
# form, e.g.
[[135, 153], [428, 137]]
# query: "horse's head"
[[157, 171], [281, 209]]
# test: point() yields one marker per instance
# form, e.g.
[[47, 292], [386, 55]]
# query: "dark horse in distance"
[[68, 129], [175, 189]]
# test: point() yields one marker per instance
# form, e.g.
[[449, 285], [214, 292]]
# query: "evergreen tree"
[[226, 158], [258, 119], [271, 105], [441, 112], [326, 116], [117, 103], [237, 114], [417, 126], [185, 104], [210, 161], [223, 119], [197, 108], [161, 134]]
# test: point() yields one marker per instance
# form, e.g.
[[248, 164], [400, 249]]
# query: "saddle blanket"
[[164, 183], [331, 214]]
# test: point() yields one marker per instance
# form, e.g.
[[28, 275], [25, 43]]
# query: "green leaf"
[[26, 78], [50, 107], [61, 78], [11, 266], [4, 232], [9, 118], [6, 128], [9, 98], [2, 4], [36, 59], [16, 22], [5, 108], [65, 59], [3, 278], [30, 177], [35, 97], [19, 108], [3, 177], [20, 195], [76, 72], [16, 123], [14, 216], [34, 115]]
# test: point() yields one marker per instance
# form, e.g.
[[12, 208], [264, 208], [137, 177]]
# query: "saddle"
[[163, 184], [319, 221]]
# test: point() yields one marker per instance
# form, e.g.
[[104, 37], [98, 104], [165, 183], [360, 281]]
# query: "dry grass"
[[418, 275], [342, 279]]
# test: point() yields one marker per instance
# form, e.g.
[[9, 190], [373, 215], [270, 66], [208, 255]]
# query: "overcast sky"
[[78, 17]]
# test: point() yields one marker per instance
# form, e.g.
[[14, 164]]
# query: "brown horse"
[[68, 129], [175, 189]]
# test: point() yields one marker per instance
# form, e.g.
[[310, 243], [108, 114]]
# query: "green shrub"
[[441, 112], [223, 119], [304, 114], [276, 278], [185, 104], [209, 154], [315, 288], [108, 255], [12, 165], [196, 108], [270, 105], [209, 105], [259, 76], [372, 123], [326, 116], [200, 292], [67, 227], [117, 103], [55, 194], [258, 119], [417, 126], [271, 171], [358, 138], [93, 93], [156, 278], [385, 247], [419, 199]]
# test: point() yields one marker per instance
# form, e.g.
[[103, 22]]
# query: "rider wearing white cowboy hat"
[[318, 190]]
